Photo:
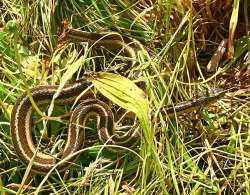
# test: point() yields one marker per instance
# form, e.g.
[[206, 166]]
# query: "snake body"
[[195, 103], [21, 117], [21, 125], [22, 112], [42, 95], [109, 40]]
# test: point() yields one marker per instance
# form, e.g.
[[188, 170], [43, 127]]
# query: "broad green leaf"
[[123, 92]]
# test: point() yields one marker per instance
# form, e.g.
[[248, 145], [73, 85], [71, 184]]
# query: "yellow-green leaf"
[[122, 91]]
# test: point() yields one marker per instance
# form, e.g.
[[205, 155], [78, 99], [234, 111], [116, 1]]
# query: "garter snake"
[[21, 124], [23, 109]]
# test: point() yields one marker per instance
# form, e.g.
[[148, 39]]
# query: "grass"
[[202, 152]]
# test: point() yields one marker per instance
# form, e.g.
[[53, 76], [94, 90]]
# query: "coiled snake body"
[[23, 109], [21, 124]]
